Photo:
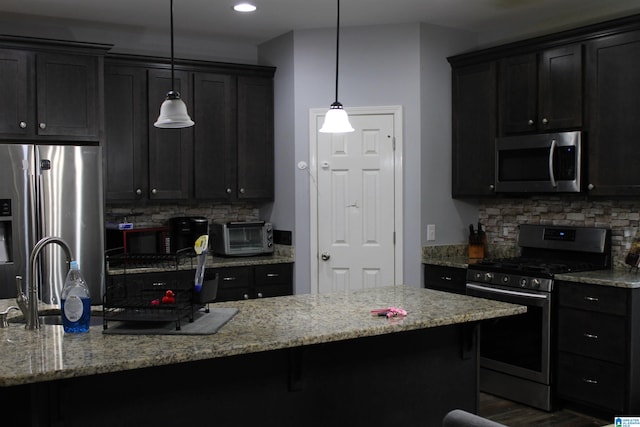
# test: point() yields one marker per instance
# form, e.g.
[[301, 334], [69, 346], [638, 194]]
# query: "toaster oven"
[[241, 238]]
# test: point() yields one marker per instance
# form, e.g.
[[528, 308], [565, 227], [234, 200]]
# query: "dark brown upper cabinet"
[[227, 156], [541, 91], [170, 151], [50, 95], [613, 93], [474, 129]]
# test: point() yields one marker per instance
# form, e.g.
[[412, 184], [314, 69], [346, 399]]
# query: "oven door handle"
[[507, 292]]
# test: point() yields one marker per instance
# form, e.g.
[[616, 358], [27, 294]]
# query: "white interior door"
[[356, 204]]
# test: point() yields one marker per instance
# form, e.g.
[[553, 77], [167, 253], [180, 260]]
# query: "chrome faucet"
[[29, 303]]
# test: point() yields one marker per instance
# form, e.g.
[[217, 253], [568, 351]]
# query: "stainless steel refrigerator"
[[51, 190]]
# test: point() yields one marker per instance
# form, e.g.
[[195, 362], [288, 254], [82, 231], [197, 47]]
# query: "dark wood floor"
[[516, 415]]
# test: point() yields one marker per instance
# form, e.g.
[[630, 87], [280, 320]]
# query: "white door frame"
[[314, 114]]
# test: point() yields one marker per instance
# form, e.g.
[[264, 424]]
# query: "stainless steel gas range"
[[516, 357]]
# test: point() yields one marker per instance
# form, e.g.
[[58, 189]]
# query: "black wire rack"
[[153, 288]]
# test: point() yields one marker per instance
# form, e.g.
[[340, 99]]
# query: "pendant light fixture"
[[336, 120], [173, 111]]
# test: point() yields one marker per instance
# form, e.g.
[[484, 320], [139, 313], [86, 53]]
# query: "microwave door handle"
[[552, 150]]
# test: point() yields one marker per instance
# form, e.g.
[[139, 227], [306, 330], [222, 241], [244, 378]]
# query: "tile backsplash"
[[157, 215], [502, 216]]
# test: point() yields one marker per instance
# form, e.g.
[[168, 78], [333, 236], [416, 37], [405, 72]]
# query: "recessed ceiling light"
[[244, 7]]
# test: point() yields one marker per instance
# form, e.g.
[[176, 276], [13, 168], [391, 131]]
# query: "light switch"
[[431, 232]]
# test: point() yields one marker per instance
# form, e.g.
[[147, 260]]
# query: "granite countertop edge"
[[260, 325], [619, 277]]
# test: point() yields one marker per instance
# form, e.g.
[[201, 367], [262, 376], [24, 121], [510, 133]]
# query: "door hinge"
[[393, 143]]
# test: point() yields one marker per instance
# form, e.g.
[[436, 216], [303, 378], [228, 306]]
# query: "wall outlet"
[[431, 232]]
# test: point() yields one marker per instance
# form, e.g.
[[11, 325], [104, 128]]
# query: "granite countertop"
[[618, 277], [260, 325], [190, 263]]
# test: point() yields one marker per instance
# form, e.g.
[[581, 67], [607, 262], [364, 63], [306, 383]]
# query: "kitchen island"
[[294, 360]]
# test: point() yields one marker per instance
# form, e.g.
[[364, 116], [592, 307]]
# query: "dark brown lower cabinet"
[[598, 363], [258, 281], [445, 278]]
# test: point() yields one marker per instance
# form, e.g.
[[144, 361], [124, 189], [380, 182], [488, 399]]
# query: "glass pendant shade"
[[336, 120], [173, 113]]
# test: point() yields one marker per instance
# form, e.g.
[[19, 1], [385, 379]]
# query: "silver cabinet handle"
[[43, 125], [229, 279], [590, 336], [242, 191], [591, 299], [589, 381], [259, 294], [325, 256], [447, 278], [545, 121], [228, 191], [273, 275], [245, 296], [154, 191], [23, 125], [138, 191], [530, 122]]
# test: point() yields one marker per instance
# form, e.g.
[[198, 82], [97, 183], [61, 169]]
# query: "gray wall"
[[382, 65]]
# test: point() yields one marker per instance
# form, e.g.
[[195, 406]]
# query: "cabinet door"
[[474, 130], [518, 93], [255, 138], [67, 96], [215, 135], [613, 85], [560, 88], [170, 150], [16, 110], [126, 133]]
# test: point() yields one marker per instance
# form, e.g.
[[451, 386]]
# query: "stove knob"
[[523, 282], [478, 276], [505, 279], [535, 283], [488, 277]]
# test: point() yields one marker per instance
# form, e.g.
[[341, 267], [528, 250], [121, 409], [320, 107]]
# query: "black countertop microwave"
[[539, 163]]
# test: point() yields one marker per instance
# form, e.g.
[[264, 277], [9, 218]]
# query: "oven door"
[[516, 345]]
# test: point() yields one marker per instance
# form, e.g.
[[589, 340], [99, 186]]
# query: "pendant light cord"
[[172, 72], [337, 46]]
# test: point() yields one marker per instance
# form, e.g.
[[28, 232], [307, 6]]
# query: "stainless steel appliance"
[[241, 238], [516, 356], [52, 190], [539, 163]]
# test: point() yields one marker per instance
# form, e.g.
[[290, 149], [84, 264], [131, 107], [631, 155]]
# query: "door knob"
[[325, 256]]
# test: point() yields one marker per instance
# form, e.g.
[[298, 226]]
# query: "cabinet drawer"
[[272, 274], [234, 277], [591, 381], [442, 278], [603, 299], [592, 334]]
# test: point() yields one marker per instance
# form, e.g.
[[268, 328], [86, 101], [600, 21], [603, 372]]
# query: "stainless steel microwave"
[[241, 238], [540, 163]]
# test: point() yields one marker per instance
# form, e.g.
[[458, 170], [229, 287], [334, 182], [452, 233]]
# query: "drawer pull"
[[591, 336], [446, 278], [273, 275], [589, 381], [591, 299], [229, 279]]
